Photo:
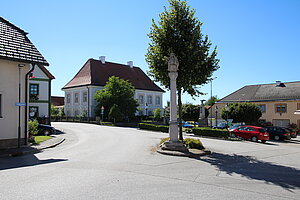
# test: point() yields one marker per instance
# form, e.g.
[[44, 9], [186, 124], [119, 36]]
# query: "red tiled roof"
[[57, 101], [95, 73]]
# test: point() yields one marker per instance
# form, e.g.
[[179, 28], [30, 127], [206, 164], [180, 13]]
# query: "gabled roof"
[[95, 73], [15, 45], [265, 92], [48, 74]]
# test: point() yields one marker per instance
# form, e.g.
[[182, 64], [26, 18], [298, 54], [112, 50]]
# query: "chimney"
[[130, 64], [102, 59], [279, 84]]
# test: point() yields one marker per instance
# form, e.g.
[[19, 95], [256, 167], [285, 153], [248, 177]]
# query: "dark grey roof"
[[265, 92], [15, 45]]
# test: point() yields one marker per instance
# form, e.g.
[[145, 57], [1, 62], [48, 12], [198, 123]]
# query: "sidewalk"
[[23, 150]]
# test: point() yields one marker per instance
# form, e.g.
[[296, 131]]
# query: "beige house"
[[278, 101], [18, 57]]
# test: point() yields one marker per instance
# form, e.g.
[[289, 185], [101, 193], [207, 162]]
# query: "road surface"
[[101, 162]]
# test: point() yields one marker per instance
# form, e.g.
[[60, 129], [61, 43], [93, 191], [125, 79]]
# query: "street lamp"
[[19, 122], [217, 116], [227, 110]]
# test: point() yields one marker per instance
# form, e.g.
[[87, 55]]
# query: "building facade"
[[18, 56], [278, 102], [40, 94], [80, 91]]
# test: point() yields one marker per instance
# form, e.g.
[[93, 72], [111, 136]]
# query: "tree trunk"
[[180, 115]]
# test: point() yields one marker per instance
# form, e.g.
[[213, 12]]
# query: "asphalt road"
[[99, 162]]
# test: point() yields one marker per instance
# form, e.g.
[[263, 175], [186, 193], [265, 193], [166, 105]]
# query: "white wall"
[[43, 91], [71, 107], [9, 83]]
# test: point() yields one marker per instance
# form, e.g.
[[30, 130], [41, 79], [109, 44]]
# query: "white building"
[[17, 57], [80, 91], [40, 94]]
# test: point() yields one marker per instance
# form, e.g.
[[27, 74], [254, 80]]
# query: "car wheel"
[[263, 141], [254, 139], [233, 135], [276, 137], [46, 132]]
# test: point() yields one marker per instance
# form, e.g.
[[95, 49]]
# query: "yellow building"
[[278, 101]]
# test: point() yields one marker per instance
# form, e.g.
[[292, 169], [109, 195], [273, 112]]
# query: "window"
[[68, 98], [34, 89], [298, 106], [280, 108], [149, 99], [1, 106], [33, 112], [157, 100], [76, 98], [84, 98], [262, 107], [141, 100]]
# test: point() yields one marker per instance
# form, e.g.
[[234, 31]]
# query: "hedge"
[[221, 133], [154, 127]]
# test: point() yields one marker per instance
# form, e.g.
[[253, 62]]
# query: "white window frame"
[[84, 97], [157, 100], [149, 99], [78, 97], [68, 98], [141, 99]]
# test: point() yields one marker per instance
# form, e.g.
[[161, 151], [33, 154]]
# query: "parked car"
[[187, 125], [234, 126], [278, 133], [253, 133], [292, 132], [46, 129], [221, 125]]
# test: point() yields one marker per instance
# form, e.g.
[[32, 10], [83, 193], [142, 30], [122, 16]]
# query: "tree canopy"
[[191, 112], [211, 101], [119, 92], [179, 31], [242, 112]]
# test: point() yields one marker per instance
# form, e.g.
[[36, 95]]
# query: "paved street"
[[100, 162]]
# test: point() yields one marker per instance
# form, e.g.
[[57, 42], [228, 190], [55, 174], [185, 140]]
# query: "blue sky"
[[258, 40]]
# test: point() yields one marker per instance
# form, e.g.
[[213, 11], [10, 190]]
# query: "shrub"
[[33, 127], [221, 133], [188, 142], [154, 127], [157, 115], [193, 143]]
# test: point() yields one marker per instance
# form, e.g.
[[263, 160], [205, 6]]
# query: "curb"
[[33, 150], [189, 154]]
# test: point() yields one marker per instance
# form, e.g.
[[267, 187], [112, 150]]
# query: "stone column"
[[173, 128], [173, 144]]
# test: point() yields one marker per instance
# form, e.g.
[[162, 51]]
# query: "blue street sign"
[[20, 104]]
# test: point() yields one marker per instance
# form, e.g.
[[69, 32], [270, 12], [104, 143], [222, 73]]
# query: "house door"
[[281, 122]]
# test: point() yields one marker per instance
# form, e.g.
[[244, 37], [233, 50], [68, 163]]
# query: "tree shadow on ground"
[[251, 168], [24, 161]]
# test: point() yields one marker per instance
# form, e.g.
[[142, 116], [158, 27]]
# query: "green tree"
[[61, 112], [53, 110], [211, 101], [191, 112], [117, 91], [179, 31], [157, 114], [115, 113], [242, 112]]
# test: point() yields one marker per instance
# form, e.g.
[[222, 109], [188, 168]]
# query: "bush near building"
[[203, 131], [154, 127]]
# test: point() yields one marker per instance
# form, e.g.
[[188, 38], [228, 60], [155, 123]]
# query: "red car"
[[253, 133]]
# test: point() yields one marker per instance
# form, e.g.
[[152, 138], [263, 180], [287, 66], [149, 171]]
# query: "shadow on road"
[[283, 176], [25, 161]]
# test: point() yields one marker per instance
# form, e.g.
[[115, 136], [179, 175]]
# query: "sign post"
[[102, 112]]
